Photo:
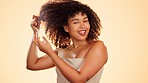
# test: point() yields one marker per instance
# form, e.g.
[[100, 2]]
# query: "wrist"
[[34, 40], [50, 53]]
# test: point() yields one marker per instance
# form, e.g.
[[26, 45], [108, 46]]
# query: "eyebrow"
[[75, 19]]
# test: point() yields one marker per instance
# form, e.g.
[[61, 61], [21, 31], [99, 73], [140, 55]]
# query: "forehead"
[[78, 15]]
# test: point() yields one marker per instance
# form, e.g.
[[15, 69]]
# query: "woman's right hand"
[[35, 24]]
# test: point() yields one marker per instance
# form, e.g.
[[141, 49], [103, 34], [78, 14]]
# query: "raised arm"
[[33, 61]]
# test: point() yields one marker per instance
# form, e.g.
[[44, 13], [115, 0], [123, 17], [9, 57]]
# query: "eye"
[[75, 22], [85, 21]]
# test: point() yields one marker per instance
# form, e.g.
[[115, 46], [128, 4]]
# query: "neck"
[[77, 44]]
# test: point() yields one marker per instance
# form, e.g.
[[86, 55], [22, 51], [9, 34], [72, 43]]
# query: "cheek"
[[87, 25], [73, 27]]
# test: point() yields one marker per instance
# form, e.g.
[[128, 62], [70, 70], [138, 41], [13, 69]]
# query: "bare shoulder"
[[98, 48], [98, 44]]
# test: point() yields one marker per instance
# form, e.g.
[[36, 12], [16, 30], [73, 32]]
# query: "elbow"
[[32, 68], [106, 59], [29, 68], [80, 80]]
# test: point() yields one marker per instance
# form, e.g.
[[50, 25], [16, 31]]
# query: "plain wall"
[[125, 33]]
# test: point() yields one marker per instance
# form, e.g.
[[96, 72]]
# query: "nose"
[[82, 25]]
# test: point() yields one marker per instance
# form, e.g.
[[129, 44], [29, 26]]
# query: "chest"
[[76, 53]]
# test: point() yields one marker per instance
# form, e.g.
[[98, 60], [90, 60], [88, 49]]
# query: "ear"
[[66, 28]]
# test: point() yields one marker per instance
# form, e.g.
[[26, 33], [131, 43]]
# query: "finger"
[[35, 29], [45, 39], [35, 37], [37, 20], [39, 41], [37, 34], [36, 43], [33, 23], [34, 16]]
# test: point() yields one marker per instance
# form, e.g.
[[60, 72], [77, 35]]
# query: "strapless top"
[[76, 63]]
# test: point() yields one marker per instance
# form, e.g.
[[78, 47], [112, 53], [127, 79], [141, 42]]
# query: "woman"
[[73, 28]]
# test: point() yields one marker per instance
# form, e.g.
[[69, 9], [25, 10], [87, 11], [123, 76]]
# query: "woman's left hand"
[[44, 45]]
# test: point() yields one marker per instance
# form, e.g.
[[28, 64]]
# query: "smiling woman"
[[124, 33], [78, 26], [73, 28]]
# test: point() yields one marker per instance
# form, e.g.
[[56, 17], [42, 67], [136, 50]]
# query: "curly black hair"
[[56, 13]]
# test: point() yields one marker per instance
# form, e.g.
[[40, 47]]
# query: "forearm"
[[67, 71], [32, 55]]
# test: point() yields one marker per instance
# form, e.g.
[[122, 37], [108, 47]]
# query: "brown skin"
[[94, 52]]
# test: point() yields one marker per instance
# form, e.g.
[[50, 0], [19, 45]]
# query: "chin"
[[81, 38]]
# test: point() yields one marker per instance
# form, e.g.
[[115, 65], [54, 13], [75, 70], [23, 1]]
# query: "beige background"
[[125, 34]]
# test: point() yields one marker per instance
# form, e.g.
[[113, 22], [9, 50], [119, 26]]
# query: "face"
[[78, 26]]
